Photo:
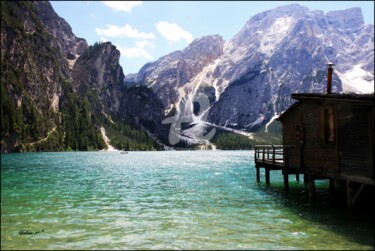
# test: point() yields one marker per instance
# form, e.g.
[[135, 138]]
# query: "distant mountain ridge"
[[249, 78]]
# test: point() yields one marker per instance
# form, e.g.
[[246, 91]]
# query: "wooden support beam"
[[352, 195], [267, 176], [264, 149], [359, 192], [349, 194], [258, 174], [311, 187], [297, 177], [286, 182]]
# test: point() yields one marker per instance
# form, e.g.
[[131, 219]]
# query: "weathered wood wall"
[[318, 157], [290, 138], [355, 140]]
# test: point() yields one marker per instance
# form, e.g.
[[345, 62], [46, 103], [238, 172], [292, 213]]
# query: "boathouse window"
[[328, 126]]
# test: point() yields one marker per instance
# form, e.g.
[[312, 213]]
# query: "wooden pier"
[[269, 157], [273, 157]]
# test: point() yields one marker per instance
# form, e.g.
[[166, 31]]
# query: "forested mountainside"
[[46, 103], [35, 83]]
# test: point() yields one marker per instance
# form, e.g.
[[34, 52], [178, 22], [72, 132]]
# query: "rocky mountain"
[[98, 75], [70, 45], [166, 75], [58, 93], [248, 79]]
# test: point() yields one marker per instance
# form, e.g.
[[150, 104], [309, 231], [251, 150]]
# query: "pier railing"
[[269, 155]]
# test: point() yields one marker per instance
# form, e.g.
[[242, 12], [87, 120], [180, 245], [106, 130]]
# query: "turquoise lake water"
[[166, 200]]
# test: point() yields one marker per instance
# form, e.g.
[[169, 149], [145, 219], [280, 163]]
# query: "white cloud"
[[143, 44], [134, 52], [139, 51], [173, 33], [126, 6], [124, 31]]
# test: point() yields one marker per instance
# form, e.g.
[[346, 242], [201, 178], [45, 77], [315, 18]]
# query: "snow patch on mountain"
[[357, 80]]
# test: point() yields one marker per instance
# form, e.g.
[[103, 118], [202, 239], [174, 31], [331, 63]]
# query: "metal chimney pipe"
[[329, 77]]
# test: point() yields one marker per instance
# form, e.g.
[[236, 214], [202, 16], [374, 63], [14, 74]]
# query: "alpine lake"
[[167, 200]]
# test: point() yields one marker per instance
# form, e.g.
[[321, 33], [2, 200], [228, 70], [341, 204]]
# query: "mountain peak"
[[207, 46], [206, 39], [348, 18], [285, 10], [290, 9]]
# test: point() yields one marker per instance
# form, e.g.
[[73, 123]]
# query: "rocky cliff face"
[[98, 75], [24, 48], [175, 70], [70, 45], [248, 79], [145, 110], [98, 71], [40, 45]]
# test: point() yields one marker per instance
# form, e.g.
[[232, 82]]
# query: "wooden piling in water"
[[258, 174], [311, 187], [267, 176], [286, 182]]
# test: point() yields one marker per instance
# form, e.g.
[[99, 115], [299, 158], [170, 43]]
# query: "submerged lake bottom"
[[167, 200]]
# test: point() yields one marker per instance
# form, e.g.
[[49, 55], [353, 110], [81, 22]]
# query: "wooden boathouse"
[[325, 136]]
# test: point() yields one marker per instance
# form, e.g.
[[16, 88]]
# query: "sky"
[[144, 31]]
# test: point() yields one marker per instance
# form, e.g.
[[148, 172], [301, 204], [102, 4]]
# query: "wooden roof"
[[291, 108], [337, 97], [361, 98]]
